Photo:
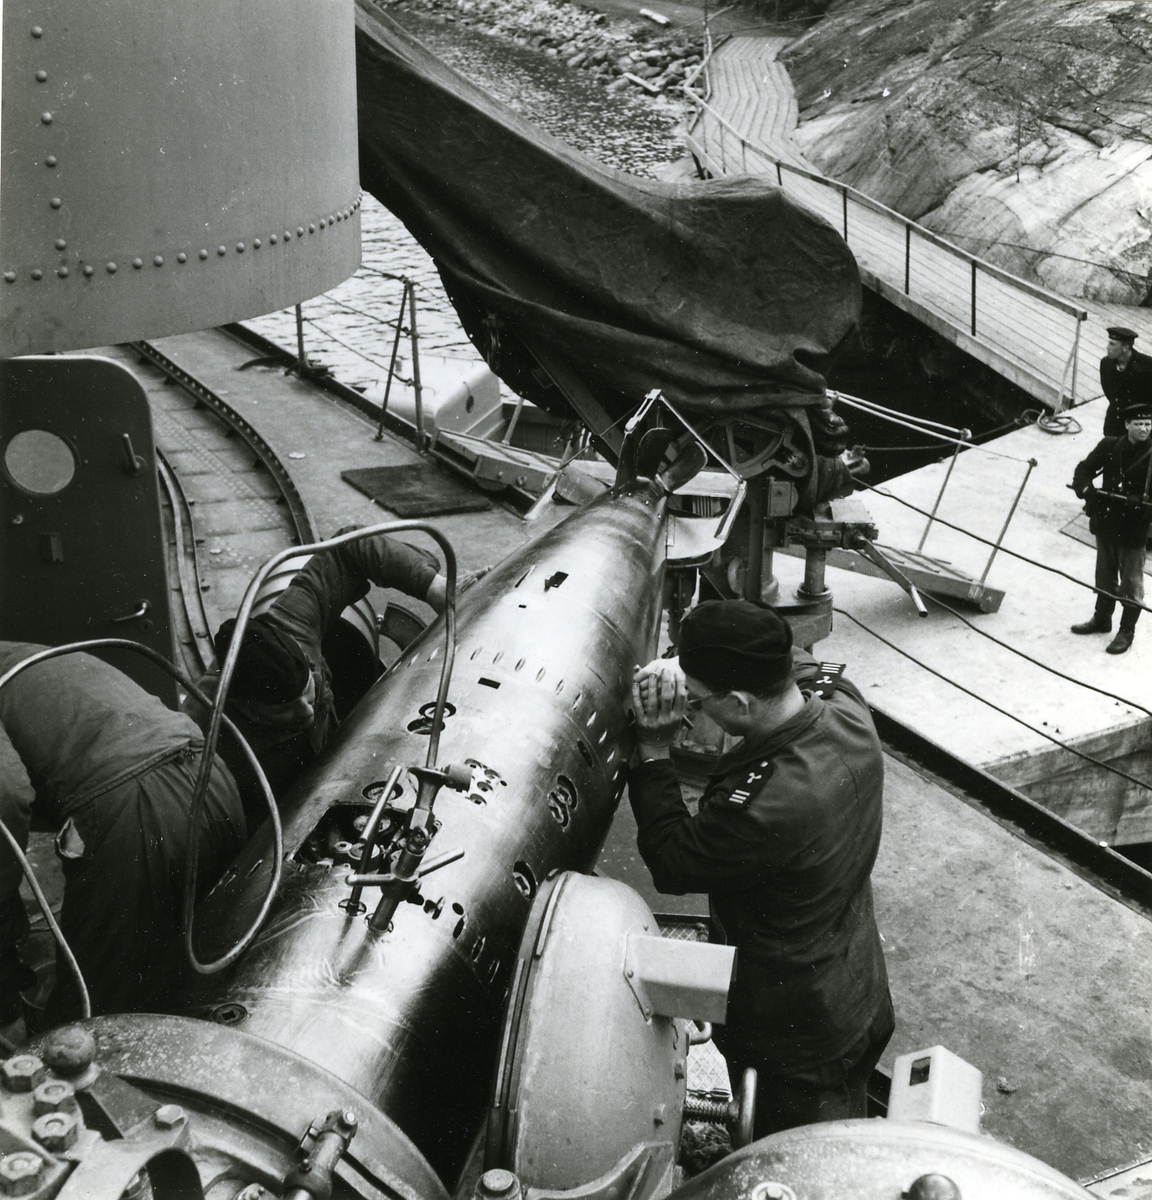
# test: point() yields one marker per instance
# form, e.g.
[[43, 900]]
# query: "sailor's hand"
[[659, 696]]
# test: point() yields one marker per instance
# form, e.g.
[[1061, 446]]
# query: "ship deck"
[[995, 949]]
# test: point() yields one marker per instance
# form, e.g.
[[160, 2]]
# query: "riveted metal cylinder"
[[148, 162]]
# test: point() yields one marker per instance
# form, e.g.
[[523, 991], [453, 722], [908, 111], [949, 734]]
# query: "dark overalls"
[[783, 843]]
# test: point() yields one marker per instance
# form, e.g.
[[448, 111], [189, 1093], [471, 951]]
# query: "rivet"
[[239, 247], [62, 272], [256, 243], [89, 270], [61, 244], [42, 76], [137, 263], [203, 255], [37, 31], [322, 223], [299, 230], [50, 161], [273, 239], [111, 268], [221, 250], [339, 216], [55, 202], [331, 220], [311, 227], [287, 236], [9, 276], [158, 261], [37, 274], [181, 257], [46, 118]]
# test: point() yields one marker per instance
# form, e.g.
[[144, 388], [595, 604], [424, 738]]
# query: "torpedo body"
[[409, 1016]]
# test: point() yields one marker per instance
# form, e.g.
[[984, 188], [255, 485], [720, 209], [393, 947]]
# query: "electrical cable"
[[50, 920], [1032, 562], [995, 707], [1034, 661], [227, 669]]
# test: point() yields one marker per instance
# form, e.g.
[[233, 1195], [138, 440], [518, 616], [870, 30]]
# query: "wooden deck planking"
[[1027, 338]]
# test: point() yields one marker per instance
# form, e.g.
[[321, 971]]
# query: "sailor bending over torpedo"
[[783, 843], [281, 696]]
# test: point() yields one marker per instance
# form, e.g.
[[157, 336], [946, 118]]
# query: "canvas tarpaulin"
[[722, 293]]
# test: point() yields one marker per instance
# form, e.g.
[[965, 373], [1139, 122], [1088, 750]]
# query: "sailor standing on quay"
[[783, 843], [281, 696], [1119, 515], [1125, 378]]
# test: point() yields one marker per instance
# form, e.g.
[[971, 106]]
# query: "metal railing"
[[720, 147]]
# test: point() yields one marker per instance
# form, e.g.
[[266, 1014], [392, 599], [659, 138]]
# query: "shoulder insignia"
[[752, 782], [828, 679]]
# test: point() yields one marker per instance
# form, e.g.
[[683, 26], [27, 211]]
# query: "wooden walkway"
[[1044, 343]]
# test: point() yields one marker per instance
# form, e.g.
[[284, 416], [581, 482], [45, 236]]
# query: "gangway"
[[1035, 338]]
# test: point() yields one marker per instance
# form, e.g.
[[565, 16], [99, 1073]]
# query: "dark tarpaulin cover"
[[722, 293]]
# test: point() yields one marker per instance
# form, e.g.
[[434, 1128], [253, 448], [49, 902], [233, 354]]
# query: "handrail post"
[[907, 256], [302, 361], [844, 193], [744, 156], [973, 297], [1075, 357], [779, 174], [421, 437], [392, 361], [964, 436], [1008, 519]]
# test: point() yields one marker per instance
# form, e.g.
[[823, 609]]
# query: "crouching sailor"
[[1119, 516], [281, 696], [783, 843], [88, 753]]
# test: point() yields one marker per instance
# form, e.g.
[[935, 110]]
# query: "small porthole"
[[524, 879], [39, 462]]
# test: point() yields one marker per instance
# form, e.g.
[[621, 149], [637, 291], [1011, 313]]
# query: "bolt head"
[[50, 161], [54, 1095], [22, 1072], [256, 243], [37, 31], [933, 1187], [137, 263], [41, 76], [20, 1173], [221, 250], [299, 230], [62, 272], [158, 260], [239, 247], [9, 276], [287, 235], [55, 1131], [55, 202], [498, 1182], [111, 268], [46, 118], [89, 271], [168, 1116]]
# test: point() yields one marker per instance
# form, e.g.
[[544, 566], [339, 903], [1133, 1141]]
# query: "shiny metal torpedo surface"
[[410, 1018]]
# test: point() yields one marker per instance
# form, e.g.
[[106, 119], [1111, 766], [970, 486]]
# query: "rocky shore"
[[623, 53], [1023, 130]]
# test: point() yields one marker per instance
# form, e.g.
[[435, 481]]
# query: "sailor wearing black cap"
[[1125, 377], [281, 696], [783, 843], [1119, 513]]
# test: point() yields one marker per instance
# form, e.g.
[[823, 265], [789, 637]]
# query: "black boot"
[[1100, 623], [1125, 633]]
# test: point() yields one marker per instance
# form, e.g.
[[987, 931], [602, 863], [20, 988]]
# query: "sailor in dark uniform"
[[1119, 514], [1125, 377], [783, 843]]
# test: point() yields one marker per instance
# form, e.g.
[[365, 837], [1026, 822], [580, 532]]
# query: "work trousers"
[[1119, 570], [123, 895], [832, 1091]]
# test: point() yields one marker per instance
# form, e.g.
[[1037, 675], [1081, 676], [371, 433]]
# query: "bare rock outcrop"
[[1021, 129]]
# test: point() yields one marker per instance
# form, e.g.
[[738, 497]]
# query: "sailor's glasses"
[[695, 703]]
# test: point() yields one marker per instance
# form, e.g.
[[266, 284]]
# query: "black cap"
[[271, 667], [1139, 409], [1122, 333], [736, 645]]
